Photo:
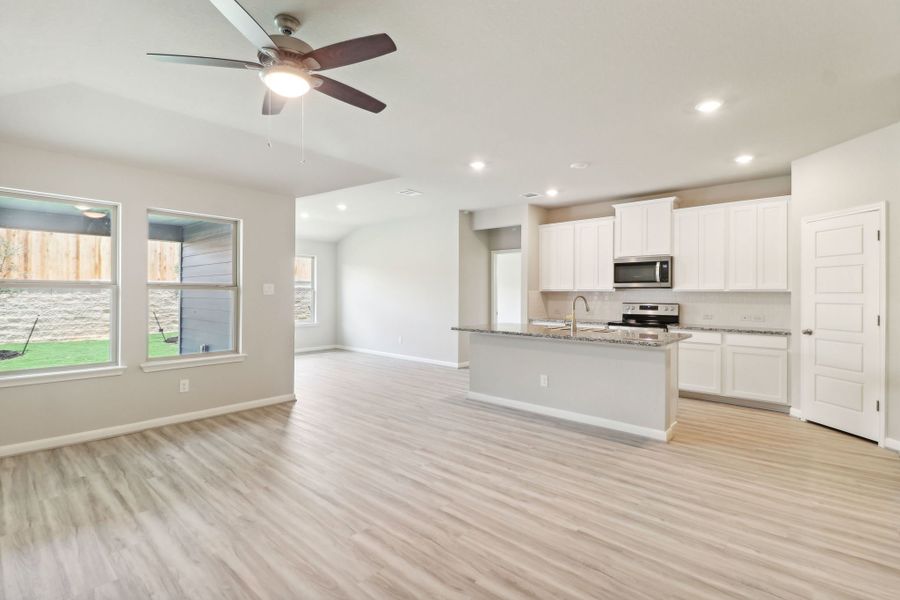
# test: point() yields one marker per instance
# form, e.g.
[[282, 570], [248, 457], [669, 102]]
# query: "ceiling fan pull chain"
[[269, 121]]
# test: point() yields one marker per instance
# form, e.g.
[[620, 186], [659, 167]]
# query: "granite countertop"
[[626, 338], [734, 329], [684, 327]]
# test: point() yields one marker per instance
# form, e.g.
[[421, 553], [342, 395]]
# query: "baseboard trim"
[[117, 430], [462, 365], [315, 349], [419, 359], [647, 432], [796, 413], [892, 444]]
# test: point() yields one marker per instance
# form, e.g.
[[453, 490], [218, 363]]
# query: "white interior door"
[[842, 361], [506, 286]]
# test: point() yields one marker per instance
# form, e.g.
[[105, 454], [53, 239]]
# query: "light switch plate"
[[268, 289]]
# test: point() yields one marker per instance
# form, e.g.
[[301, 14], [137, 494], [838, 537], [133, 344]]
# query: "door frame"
[[881, 209], [494, 253]]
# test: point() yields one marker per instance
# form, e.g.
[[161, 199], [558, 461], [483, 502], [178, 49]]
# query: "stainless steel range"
[[646, 317]]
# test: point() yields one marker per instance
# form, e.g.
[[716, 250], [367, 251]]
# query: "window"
[[305, 289], [58, 284], [192, 281]]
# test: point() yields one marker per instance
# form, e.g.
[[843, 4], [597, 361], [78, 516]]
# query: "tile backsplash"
[[759, 309]]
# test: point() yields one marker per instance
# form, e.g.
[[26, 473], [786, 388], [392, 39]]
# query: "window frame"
[[200, 358], [313, 287], [13, 377]]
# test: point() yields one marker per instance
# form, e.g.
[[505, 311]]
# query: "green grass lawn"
[[41, 355]]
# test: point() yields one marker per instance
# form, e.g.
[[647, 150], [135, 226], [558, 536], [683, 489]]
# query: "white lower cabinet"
[[700, 368], [756, 368], [749, 367]]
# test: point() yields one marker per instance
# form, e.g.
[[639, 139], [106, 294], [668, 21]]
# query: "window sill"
[[152, 366], [305, 324], [35, 378]]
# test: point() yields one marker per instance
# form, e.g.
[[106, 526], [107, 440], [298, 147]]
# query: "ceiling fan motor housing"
[[286, 24]]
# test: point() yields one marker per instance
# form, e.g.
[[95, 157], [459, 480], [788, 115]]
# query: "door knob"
[[807, 332]]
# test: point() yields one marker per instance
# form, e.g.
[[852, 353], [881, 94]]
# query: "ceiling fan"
[[290, 67]]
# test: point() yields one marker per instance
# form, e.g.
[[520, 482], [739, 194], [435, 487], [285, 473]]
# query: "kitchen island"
[[613, 379]]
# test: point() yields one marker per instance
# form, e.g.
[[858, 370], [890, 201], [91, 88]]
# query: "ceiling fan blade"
[[238, 16], [349, 52], [347, 94], [273, 103], [206, 61]]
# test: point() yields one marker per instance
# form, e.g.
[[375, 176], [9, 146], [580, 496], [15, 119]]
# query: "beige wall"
[[40, 411], [400, 279], [865, 170], [474, 279], [715, 194], [324, 332]]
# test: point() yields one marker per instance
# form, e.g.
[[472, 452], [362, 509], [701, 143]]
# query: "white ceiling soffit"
[[528, 87]]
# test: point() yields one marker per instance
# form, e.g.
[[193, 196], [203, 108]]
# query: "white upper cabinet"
[[699, 248], [594, 254], [557, 252], [644, 228], [772, 252], [757, 244]]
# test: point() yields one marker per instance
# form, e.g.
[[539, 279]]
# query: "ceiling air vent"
[[410, 192], [531, 195]]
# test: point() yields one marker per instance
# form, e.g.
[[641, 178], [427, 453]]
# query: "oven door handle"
[[658, 265]]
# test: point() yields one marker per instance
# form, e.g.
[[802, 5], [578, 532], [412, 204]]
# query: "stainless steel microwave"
[[643, 272]]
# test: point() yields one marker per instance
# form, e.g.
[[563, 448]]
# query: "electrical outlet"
[[268, 289], [184, 385], [545, 381], [399, 339], [759, 318], [707, 317], [745, 317]]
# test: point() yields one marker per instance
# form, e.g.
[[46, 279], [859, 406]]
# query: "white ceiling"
[[527, 86]]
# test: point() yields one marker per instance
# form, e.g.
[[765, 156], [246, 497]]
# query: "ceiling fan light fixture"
[[286, 80]]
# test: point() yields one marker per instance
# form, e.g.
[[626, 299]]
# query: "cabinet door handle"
[[807, 332]]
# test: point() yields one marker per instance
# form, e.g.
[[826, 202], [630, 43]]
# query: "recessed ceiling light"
[[410, 192], [304, 215], [708, 106], [94, 214], [552, 192], [477, 165], [82, 207], [342, 207], [743, 159], [579, 165]]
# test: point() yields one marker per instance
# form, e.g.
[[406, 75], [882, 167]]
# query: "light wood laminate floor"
[[384, 482]]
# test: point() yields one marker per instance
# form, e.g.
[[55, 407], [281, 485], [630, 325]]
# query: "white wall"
[[324, 332], [865, 170], [401, 280], [40, 411]]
